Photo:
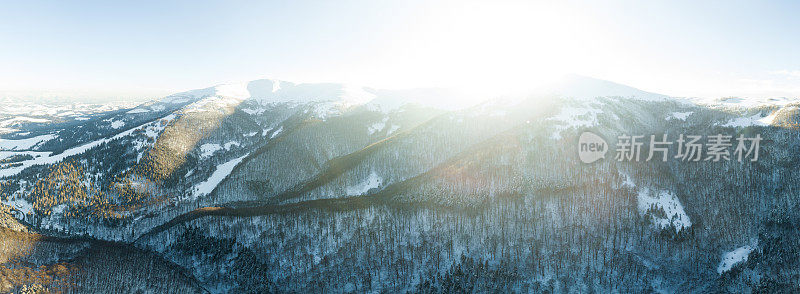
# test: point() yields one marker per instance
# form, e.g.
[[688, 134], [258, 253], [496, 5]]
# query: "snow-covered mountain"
[[272, 186], [581, 87]]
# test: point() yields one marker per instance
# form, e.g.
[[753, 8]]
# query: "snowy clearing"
[[679, 115], [729, 259], [221, 172], [116, 124], [22, 119], [24, 144], [378, 126], [574, 117], [755, 120], [651, 203], [276, 132], [374, 181], [208, 149], [230, 144], [20, 204]]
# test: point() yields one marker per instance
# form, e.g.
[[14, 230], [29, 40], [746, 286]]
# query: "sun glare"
[[488, 47]]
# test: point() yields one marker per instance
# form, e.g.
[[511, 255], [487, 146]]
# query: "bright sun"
[[489, 46]]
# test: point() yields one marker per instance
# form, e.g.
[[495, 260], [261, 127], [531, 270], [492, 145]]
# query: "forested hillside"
[[271, 186]]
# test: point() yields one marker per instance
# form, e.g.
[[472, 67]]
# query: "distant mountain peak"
[[582, 87]]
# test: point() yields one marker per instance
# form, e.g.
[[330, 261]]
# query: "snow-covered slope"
[[581, 87]]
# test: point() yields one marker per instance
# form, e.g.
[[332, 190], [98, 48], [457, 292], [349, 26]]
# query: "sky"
[[148, 49]]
